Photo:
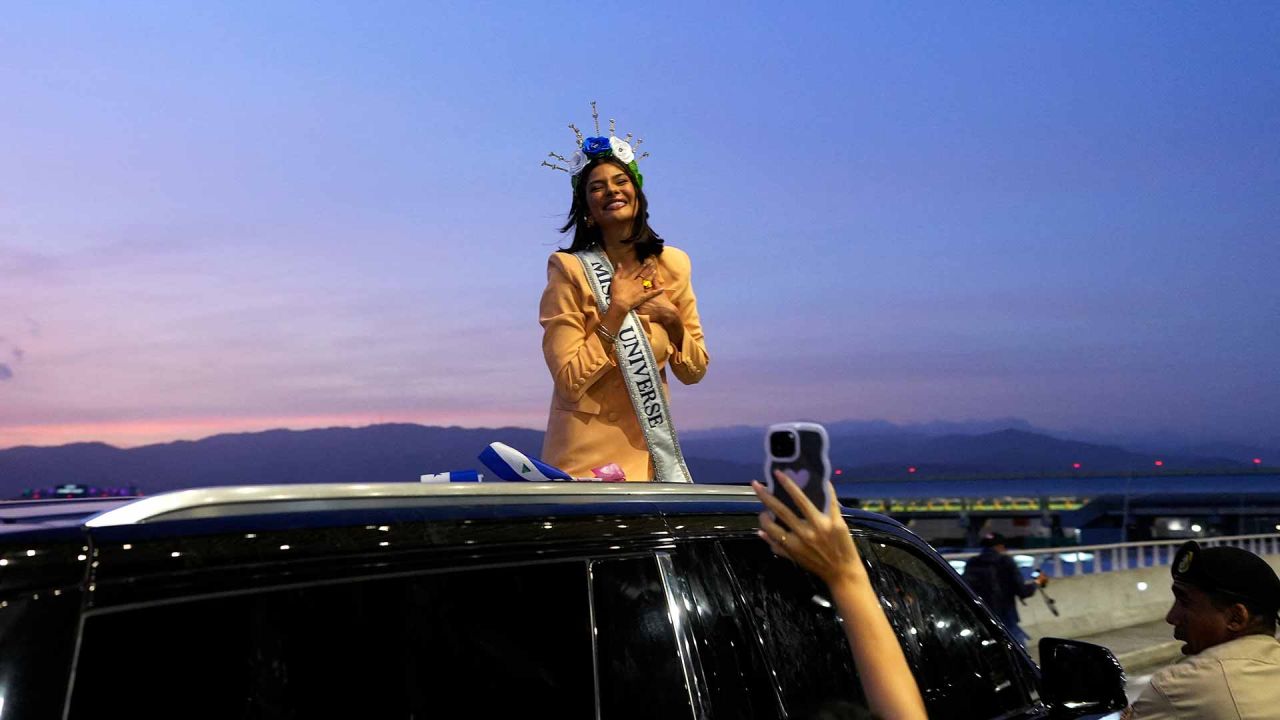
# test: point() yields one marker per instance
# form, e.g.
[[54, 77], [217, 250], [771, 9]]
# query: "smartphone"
[[798, 449]]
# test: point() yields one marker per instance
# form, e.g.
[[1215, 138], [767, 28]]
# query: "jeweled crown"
[[597, 146]]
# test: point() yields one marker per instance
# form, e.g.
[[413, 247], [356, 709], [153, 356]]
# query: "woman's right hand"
[[818, 542]]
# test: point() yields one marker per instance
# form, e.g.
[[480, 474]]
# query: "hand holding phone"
[[799, 449], [818, 542]]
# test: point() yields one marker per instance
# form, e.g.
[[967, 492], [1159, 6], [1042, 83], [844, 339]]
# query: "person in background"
[[822, 545], [995, 577], [1224, 609]]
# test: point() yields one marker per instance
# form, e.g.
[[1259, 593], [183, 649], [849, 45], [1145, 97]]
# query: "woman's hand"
[[628, 292], [660, 309], [821, 544], [818, 543]]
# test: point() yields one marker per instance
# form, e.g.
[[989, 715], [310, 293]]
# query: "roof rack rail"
[[273, 499]]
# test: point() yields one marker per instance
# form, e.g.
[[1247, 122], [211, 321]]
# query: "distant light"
[[1142, 587], [911, 469], [966, 632], [250, 536], [1257, 461], [384, 543], [175, 553], [126, 546], [839, 471], [1196, 528], [1075, 465], [1159, 463], [5, 561], [31, 553], [284, 547]]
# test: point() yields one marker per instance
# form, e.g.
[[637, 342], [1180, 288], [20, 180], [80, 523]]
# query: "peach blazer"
[[592, 421]]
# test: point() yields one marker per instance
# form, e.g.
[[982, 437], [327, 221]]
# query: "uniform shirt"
[[1237, 680], [592, 421]]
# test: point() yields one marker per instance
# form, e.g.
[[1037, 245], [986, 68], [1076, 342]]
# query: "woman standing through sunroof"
[[618, 310]]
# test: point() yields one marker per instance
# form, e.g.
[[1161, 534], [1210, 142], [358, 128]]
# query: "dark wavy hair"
[[647, 242]]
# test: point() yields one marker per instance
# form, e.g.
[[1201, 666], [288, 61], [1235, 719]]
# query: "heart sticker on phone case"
[[799, 477]]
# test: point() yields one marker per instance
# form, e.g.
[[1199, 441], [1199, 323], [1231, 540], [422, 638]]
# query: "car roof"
[[275, 499], [322, 499], [24, 514]]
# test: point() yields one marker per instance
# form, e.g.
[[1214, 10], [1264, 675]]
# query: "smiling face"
[[1195, 619], [611, 196]]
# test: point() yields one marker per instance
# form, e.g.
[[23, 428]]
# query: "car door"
[[771, 646], [480, 641], [966, 664], [475, 612]]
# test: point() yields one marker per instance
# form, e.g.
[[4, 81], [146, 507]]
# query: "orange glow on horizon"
[[136, 433]]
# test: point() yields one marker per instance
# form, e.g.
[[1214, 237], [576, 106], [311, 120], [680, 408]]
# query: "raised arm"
[[822, 545]]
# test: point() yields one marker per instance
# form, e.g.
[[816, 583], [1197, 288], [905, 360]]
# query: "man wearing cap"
[[1224, 609], [996, 578]]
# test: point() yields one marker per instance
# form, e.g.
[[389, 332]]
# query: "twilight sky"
[[237, 216]]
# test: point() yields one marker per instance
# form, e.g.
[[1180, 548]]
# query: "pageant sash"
[[640, 371]]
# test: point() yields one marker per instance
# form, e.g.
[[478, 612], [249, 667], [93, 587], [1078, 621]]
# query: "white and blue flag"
[[512, 465]]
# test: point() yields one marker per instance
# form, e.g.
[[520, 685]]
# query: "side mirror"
[[1079, 678]]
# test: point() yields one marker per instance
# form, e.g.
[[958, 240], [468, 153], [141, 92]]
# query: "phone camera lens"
[[782, 444]]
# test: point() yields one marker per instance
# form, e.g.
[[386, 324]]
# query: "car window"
[[964, 664], [641, 672], [797, 630], [37, 637], [493, 642], [729, 654]]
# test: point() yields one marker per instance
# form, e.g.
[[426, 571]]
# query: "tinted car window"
[[798, 632], [641, 674], [964, 665], [37, 637], [484, 643], [737, 681]]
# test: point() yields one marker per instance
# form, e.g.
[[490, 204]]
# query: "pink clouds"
[[133, 433]]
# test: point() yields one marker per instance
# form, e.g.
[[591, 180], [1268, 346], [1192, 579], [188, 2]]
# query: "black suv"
[[569, 600]]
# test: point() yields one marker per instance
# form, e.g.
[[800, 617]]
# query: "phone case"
[[810, 468]]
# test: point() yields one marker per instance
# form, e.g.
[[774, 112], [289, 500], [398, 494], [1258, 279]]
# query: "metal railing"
[[1096, 559]]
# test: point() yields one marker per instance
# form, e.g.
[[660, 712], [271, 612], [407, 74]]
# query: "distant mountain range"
[[402, 452]]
